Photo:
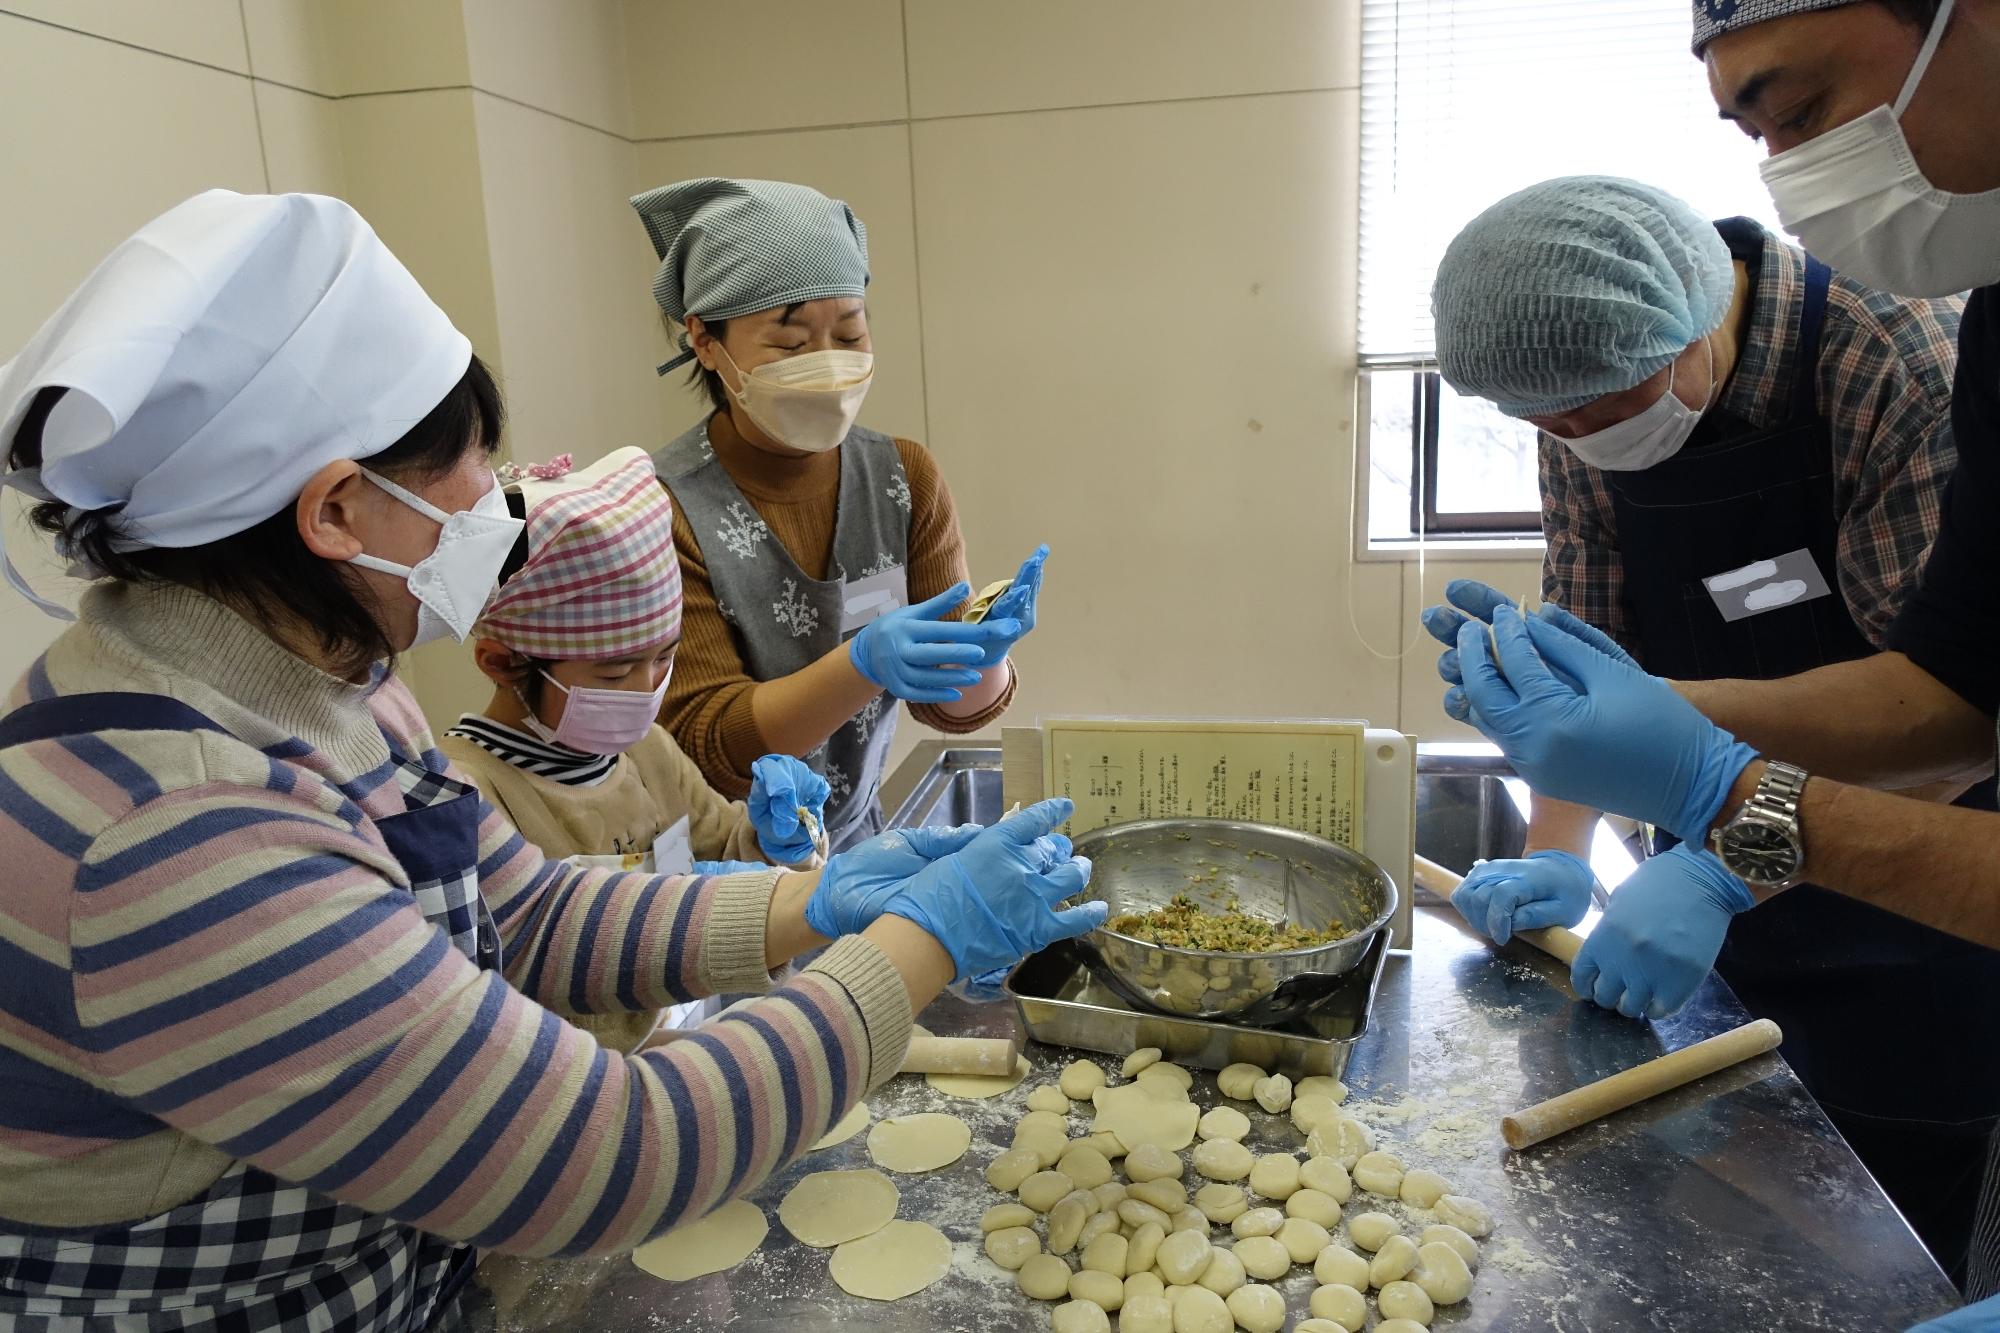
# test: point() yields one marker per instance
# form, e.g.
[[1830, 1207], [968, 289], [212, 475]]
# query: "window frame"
[[1426, 412]]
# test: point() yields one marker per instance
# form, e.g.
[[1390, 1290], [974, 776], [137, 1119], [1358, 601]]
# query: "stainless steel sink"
[[1464, 813]]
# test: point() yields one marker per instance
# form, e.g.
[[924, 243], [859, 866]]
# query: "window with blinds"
[[1462, 103]]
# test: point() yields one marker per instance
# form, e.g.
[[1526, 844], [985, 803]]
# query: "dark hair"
[[266, 568], [1916, 13]]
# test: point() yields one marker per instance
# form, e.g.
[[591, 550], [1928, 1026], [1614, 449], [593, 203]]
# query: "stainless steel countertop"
[[1729, 1205]]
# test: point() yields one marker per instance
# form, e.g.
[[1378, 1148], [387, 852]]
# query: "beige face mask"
[[809, 402]]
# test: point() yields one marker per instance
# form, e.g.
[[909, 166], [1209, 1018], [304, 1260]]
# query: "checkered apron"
[[254, 1252]]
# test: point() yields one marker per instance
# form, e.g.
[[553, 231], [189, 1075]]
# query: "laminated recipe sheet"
[[1301, 775]]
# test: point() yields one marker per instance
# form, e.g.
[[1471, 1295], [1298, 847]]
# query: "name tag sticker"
[[1767, 585], [873, 597]]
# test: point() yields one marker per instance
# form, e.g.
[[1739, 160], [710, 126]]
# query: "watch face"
[[1758, 851]]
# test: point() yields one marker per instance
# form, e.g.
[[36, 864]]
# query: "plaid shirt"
[[1885, 370]]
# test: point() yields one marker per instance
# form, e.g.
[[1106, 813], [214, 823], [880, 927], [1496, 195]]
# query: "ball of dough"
[[1257, 1222], [1010, 1168], [1339, 1266], [1079, 1079], [1340, 1305], [1106, 1254], [1224, 1273], [1370, 1230], [1048, 1098], [1085, 1165], [1379, 1173], [1320, 1085], [1137, 1213], [1274, 1094], [1105, 1142], [1143, 1058], [1097, 1226], [1400, 1326], [1182, 1257], [1043, 1277], [1309, 1113], [1189, 1218], [1327, 1176], [1318, 1326], [1256, 1309], [1304, 1239], [1002, 1215], [1100, 1289], [1224, 1122], [1149, 1161], [1467, 1214], [1239, 1081], [1142, 1248], [1263, 1258], [1066, 1221], [1166, 1073], [1081, 1317], [1038, 1122], [1461, 1244], [1221, 1203], [1138, 1285], [1043, 1190], [1345, 1140], [1275, 1176], [1405, 1300], [1146, 1314], [1314, 1206], [1011, 1247], [1223, 1159], [1200, 1310], [1046, 1145], [1109, 1195], [1442, 1273], [1169, 1196], [1422, 1189], [1393, 1261]]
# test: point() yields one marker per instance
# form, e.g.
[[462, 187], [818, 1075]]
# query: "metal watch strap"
[[1779, 791]]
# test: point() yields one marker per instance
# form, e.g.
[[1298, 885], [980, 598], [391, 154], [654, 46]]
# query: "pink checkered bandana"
[[602, 580]]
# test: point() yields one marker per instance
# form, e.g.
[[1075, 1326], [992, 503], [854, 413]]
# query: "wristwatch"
[[1763, 844]]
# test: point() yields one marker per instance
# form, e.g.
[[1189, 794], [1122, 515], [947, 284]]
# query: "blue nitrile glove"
[[1586, 728], [1018, 605], [982, 989], [1472, 600], [1661, 934], [729, 867], [1981, 1318], [779, 785], [1545, 888], [997, 901], [919, 657], [855, 885]]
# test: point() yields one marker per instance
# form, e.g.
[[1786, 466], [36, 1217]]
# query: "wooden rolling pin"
[[960, 1055], [1552, 940], [1594, 1101]]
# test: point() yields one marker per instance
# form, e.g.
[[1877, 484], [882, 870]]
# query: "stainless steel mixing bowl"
[[1265, 871]]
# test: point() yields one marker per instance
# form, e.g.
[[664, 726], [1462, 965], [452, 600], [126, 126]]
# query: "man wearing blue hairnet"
[[1741, 461]]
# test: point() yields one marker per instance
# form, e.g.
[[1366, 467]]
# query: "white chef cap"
[[217, 359]]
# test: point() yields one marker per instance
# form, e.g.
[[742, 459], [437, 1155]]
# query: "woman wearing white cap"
[[272, 1046], [823, 560]]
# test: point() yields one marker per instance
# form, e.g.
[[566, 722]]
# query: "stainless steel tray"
[[1063, 1004]]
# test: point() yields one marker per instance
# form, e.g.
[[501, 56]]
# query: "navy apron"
[[253, 1251], [1863, 995]]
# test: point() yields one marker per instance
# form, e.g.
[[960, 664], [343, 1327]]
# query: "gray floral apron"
[[254, 1252], [784, 621]]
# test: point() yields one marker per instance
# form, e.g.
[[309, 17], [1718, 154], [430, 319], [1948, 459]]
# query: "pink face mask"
[[598, 721]]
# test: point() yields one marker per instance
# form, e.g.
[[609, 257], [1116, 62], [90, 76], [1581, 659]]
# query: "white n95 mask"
[[1653, 436], [809, 402], [1856, 199], [455, 581]]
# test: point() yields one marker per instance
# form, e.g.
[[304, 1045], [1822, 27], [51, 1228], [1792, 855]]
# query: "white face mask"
[[599, 721], [1856, 198], [1653, 436], [455, 581], [809, 402]]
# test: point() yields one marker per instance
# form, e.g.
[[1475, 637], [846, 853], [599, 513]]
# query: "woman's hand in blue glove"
[[919, 657], [856, 884], [999, 899], [1017, 605], [779, 786], [1545, 888], [728, 867], [1660, 935], [1472, 600], [1981, 1318]]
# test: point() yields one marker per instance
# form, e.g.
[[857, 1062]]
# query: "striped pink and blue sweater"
[[207, 955]]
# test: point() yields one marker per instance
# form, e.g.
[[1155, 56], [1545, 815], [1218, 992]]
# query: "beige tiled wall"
[[1113, 254]]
